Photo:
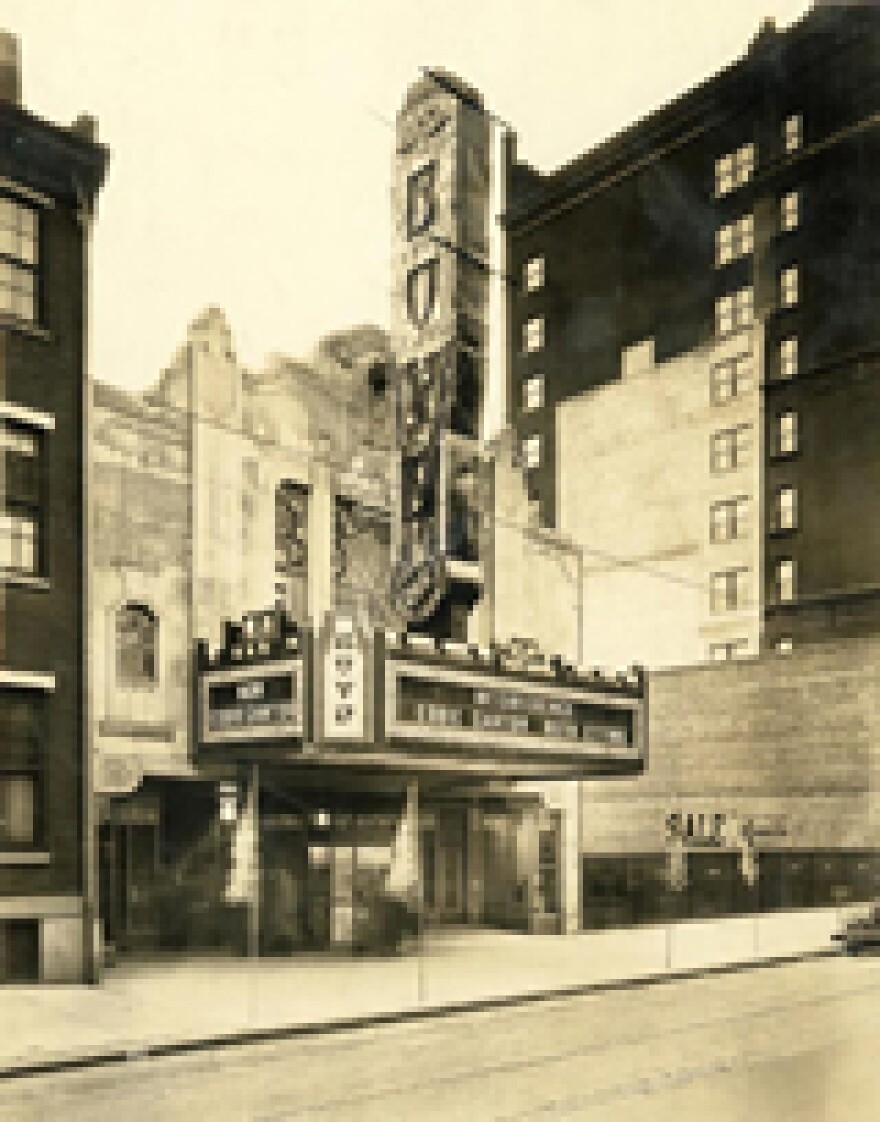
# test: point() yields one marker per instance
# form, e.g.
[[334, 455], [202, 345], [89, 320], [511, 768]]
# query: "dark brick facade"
[[628, 231], [44, 373]]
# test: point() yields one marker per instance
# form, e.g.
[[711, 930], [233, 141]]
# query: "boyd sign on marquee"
[[345, 662]]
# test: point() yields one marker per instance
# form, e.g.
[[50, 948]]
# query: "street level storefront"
[[761, 795], [326, 867], [351, 786]]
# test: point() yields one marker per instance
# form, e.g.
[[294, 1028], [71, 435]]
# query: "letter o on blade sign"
[[228, 802]]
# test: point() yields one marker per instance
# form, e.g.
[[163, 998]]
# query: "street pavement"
[[796, 1042], [187, 1000]]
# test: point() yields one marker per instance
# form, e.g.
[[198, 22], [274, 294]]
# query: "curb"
[[375, 1020]]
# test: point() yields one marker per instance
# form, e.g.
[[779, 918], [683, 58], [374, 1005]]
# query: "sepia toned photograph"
[[440, 560]]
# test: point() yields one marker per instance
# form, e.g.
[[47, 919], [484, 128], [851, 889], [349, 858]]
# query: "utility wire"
[[309, 452], [604, 555]]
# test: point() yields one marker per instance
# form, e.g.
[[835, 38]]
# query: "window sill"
[[736, 260], [25, 857], [31, 330], [126, 728], [24, 580]]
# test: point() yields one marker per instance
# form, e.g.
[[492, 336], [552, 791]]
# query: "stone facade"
[[187, 478]]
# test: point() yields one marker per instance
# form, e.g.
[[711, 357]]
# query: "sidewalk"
[[141, 1007]]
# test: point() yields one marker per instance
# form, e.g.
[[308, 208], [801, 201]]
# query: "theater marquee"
[[473, 713], [261, 702]]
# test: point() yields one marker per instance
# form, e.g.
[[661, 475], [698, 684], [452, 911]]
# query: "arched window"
[[137, 645]]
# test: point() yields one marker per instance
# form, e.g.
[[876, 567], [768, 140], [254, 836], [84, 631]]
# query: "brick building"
[[691, 333], [50, 176], [694, 336], [762, 792]]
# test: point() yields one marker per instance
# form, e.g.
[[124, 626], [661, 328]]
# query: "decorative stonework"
[[439, 309]]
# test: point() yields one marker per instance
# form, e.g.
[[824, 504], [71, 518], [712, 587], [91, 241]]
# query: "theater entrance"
[[128, 861], [443, 839]]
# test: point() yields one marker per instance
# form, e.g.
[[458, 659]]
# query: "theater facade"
[[311, 710]]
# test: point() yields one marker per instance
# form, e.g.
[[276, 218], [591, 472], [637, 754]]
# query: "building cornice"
[[49, 160], [718, 99]]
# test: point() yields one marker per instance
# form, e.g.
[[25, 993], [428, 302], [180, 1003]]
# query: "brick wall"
[[795, 735]]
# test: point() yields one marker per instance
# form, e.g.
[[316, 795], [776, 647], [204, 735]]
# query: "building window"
[[728, 519], [793, 133], [788, 358], [737, 239], [533, 392], [734, 311], [533, 274], [785, 579], [786, 508], [727, 651], [137, 641], [729, 447], [421, 200], [533, 334], [784, 644], [728, 590], [21, 512], [531, 451], [19, 259], [790, 211], [734, 169], [787, 433], [731, 378], [22, 738], [789, 286], [377, 381], [291, 529]]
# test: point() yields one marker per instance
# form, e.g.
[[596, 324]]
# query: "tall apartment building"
[[694, 335], [49, 178]]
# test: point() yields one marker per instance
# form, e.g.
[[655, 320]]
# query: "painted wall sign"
[[721, 829]]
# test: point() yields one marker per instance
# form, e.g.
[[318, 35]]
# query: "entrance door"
[[127, 865], [442, 859], [142, 853]]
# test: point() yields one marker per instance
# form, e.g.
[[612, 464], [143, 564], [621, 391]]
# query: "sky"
[[251, 140]]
